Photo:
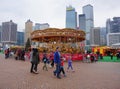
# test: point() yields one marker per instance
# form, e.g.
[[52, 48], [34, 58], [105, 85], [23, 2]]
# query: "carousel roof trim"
[[56, 33], [58, 30]]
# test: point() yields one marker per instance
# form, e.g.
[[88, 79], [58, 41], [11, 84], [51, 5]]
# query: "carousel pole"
[[39, 42], [60, 39]]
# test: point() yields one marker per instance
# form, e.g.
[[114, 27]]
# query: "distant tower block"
[[28, 29]]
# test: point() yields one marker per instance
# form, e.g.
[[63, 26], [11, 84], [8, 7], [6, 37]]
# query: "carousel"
[[67, 39]]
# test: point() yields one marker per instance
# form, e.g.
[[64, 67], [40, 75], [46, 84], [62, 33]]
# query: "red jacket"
[[62, 63]]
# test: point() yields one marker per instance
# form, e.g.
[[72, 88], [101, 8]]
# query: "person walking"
[[62, 67], [45, 60], [22, 55], [70, 64], [16, 54], [117, 55], [7, 53], [34, 58], [111, 55], [57, 62]]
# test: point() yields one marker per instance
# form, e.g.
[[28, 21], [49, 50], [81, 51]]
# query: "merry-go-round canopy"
[[58, 35]]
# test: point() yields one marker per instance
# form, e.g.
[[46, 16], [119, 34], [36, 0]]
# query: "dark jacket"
[[45, 59], [35, 58]]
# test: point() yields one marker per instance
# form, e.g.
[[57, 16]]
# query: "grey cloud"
[[53, 11]]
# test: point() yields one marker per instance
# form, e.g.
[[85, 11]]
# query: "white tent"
[[117, 45]]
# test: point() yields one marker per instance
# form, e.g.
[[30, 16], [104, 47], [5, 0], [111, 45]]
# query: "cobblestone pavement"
[[16, 75]]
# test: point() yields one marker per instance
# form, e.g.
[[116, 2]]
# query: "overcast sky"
[[54, 11]]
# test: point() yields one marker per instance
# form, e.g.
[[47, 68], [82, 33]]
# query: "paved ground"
[[15, 75]]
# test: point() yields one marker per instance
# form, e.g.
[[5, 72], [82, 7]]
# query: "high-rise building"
[[42, 26], [113, 31], [88, 11], [9, 32], [108, 25], [37, 26], [95, 36], [114, 25], [103, 36], [20, 38], [71, 17], [82, 22], [113, 38], [28, 30], [0, 33]]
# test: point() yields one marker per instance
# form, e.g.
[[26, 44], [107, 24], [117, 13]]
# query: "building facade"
[[95, 36], [20, 38], [113, 31], [82, 22], [113, 26], [88, 11], [103, 36], [0, 33], [71, 17], [113, 38], [42, 26], [9, 32], [108, 25], [28, 30]]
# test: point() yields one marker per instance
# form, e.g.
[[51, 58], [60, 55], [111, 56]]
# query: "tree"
[[28, 44]]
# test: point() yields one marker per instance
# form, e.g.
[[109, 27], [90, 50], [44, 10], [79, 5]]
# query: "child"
[[88, 58], [45, 60], [70, 64], [62, 67]]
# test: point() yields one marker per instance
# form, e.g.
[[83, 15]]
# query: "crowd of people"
[[90, 57], [18, 54], [55, 59]]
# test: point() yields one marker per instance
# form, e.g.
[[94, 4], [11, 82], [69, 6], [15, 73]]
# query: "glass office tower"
[[82, 22], [88, 11], [71, 17]]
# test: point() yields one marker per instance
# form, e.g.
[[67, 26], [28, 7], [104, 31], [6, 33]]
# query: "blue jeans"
[[57, 71], [70, 66]]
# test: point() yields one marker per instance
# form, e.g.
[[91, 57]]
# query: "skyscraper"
[[114, 25], [20, 38], [37, 26], [113, 31], [95, 36], [9, 32], [108, 25], [28, 30], [82, 22], [113, 38], [41, 26], [88, 11], [71, 17], [0, 33], [103, 36]]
